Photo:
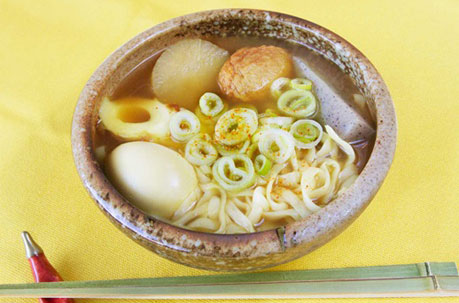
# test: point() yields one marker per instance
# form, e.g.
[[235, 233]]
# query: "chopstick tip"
[[31, 247]]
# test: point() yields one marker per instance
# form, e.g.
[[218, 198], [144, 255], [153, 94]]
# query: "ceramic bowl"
[[239, 251]]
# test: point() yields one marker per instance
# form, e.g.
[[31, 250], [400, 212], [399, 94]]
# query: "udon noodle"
[[294, 189]]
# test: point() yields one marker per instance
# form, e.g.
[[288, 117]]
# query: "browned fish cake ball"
[[247, 75]]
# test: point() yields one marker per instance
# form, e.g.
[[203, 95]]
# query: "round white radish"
[[186, 70]]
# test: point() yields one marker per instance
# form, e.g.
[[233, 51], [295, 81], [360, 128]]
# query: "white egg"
[[153, 177]]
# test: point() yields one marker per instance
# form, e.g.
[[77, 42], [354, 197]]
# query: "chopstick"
[[426, 279]]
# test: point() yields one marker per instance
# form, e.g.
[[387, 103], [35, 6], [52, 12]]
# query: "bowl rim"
[[313, 231]]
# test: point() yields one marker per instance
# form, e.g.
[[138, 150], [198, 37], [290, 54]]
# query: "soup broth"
[[314, 174]]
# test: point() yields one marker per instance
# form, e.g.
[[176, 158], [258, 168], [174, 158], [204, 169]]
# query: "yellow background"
[[49, 48]]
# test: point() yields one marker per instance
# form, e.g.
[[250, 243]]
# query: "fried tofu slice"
[[247, 75]]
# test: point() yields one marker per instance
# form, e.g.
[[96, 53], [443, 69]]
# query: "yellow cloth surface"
[[49, 49]]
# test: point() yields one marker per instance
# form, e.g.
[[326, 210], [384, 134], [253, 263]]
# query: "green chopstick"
[[421, 279]]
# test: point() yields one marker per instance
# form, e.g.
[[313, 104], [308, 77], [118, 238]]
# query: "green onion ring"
[[276, 144], [252, 149], [184, 125], [306, 133], [281, 122], [236, 126], [279, 86], [200, 151], [209, 120], [228, 150], [262, 165], [234, 173], [269, 113], [301, 84], [297, 103], [210, 104]]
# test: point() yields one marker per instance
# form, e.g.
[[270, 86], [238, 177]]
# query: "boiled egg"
[[153, 177]]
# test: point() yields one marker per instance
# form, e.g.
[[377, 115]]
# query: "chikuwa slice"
[[136, 118]]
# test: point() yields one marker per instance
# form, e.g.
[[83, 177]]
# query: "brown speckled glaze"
[[243, 251]]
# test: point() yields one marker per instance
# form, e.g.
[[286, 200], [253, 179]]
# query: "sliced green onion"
[[297, 103], [279, 86], [256, 136], [262, 165], [276, 124], [268, 113], [236, 126], [210, 104], [246, 105], [184, 125], [276, 144], [228, 150], [306, 133], [281, 122], [252, 149], [210, 120], [301, 84], [200, 151], [234, 173]]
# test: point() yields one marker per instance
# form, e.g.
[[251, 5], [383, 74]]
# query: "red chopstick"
[[42, 270]]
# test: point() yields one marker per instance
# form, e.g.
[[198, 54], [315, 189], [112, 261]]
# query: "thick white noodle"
[[311, 155], [190, 215], [294, 160], [233, 228], [203, 223], [189, 203], [328, 148], [292, 190], [238, 217], [282, 214], [213, 207], [333, 168], [293, 200], [259, 205], [240, 204], [315, 182], [204, 174], [274, 172], [345, 185], [345, 147], [289, 180]]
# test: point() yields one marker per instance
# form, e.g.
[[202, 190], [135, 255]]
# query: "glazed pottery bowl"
[[242, 251]]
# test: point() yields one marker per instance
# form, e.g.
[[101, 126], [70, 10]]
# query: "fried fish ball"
[[247, 75]]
